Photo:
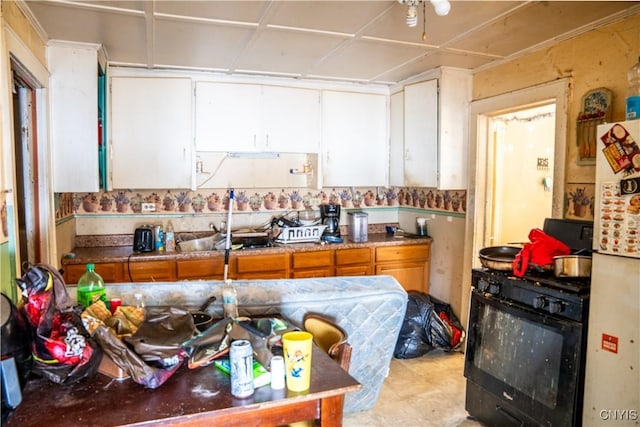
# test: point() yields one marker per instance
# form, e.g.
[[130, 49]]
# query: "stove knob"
[[540, 302], [483, 285], [494, 288], [555, 307]]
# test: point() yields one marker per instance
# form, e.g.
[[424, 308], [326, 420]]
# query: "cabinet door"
[[454, 98], [111, 272], [151, 138], [312, 264], [411, 275], [274, 266], [73, 96], [228, 117], [291, 119], [150, 271], [421, 134], [354, 138], [354, 262], [396, 140], [200, 269], [408, 264]]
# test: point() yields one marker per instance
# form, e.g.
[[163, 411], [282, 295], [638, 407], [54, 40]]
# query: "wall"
[[446, 268], [599, 58]]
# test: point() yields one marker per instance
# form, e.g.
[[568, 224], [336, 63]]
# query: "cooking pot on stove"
[[572, 266]]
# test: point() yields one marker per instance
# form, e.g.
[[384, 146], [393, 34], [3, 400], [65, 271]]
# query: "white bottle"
[[169, 238], [138, 300], [229, 300], [633, 92]]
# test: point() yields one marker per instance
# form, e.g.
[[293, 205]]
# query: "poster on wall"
[[579, 200]]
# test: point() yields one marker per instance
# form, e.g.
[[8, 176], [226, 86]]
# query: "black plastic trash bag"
[[62, 350], [428, 324]]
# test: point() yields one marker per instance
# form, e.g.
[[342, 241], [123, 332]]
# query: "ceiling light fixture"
[[441, 7]]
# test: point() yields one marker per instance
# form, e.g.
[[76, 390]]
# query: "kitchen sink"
[[190, 243]]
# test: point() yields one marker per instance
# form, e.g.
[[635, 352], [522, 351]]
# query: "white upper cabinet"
[[73, 96], [254, 118], [396, 138], [151, 133], [436, 131], [354, 138], [421, 134]]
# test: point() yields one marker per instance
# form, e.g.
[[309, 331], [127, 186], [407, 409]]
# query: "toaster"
[[143, 239]]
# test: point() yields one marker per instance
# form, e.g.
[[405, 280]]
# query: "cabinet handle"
[[255, 143], [406, 154], [267, 140]]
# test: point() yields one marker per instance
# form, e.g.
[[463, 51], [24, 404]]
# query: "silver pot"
[[572, 266]]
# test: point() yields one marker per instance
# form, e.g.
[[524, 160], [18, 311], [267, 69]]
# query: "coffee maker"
[[330, 216]]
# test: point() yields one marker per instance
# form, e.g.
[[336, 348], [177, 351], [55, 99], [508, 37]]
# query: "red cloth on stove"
[[540, 252]]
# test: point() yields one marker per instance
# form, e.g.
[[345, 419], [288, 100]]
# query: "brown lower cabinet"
[[409, 264], [312, 264], [273, 266], [111, 272], [354, 262], [150, 271], [203, 269]]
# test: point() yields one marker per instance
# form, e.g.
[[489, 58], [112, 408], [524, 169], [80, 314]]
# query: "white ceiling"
[[364, 41]]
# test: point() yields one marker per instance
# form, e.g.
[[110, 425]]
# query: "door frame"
[[15, 54], [481, 110]]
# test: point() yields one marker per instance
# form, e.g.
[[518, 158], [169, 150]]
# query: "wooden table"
[[199, 397]]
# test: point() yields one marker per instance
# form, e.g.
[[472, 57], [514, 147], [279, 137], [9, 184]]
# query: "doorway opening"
[[480, 198], [27, 185], [520, 173]]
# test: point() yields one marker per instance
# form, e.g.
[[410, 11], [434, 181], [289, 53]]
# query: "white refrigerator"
[[612, 377]]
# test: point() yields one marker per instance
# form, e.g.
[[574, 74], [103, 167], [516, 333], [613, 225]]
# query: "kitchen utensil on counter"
[[572, 266], [330, 216], [227, 246], [201, 318], [144, 239], [358, 223], [498, 257]]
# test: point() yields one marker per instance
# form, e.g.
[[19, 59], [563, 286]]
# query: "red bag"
[[62, 350], [539, 252]]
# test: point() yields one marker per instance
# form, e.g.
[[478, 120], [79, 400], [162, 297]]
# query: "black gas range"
[[525, 354]]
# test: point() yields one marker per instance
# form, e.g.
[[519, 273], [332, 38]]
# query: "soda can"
[[241, 361]]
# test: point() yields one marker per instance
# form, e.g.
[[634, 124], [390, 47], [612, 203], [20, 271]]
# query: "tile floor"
[[426, 391]]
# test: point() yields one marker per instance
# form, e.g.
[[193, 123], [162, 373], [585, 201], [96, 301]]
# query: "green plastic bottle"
[[91, 287]]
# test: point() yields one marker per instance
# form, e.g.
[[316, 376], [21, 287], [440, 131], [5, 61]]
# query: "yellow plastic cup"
[[297, 347]]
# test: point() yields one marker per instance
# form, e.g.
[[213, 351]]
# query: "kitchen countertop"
[[83, 255]]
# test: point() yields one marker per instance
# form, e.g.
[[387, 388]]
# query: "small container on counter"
[[159, 238], [358, 226]]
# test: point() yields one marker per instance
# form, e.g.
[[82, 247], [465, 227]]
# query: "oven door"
[[530, 362]]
